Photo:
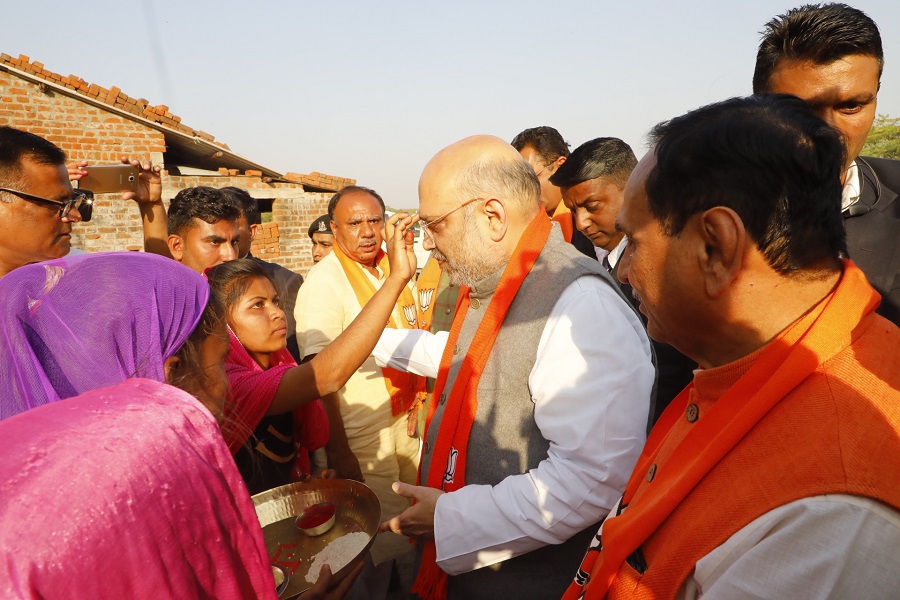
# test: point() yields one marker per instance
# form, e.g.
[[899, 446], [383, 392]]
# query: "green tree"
[[884, 138]]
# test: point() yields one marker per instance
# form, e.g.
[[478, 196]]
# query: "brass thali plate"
[[288, 547]]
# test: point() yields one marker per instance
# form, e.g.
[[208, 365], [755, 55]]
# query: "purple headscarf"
[[89, 321]]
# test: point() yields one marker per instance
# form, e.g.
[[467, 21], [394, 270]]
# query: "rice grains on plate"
[[338, 554]]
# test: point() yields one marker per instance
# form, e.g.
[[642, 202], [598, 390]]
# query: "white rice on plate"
[[338, 554]]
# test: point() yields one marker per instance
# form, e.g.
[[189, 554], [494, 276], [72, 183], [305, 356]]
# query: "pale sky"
[[372, 90]]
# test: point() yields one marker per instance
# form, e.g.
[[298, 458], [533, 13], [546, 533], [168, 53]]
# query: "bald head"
[[476, 198], [481, 166]]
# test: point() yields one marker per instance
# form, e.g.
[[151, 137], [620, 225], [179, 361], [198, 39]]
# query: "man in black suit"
[[831, 56], [545, 150], [592, 183]]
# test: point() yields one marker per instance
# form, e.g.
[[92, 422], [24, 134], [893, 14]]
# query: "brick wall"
[[293, 209], [266, 244], [113, 96], [82, 130], [294, 216], [320, 180], [86, 132]]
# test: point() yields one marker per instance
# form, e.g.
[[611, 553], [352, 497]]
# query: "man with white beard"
[[543, 386]]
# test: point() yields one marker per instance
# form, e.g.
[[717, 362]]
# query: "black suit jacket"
[[873, 231]]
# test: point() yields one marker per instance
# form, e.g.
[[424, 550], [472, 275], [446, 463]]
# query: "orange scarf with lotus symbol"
[[459, 413], [401, 386]]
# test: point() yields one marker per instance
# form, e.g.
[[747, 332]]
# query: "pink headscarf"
[[252, 391], [126, 492], [84, 322]]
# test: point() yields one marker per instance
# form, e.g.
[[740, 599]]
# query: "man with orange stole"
[[368, 417], [774, 474], [542, 393]]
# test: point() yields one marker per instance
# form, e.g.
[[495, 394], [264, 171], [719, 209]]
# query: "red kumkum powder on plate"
[[315, 515]]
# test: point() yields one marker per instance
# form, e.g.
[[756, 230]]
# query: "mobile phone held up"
[[107, 179]]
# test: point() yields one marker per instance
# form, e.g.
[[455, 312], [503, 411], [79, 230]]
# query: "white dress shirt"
[[590, 385], [851, 190], [613, 255]]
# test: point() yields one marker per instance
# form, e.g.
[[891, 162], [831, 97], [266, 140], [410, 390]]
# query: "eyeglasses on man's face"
[[426, 226], [81, 200]]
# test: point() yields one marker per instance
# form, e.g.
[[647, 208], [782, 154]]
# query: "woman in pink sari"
[[267, 385], [114, 484]]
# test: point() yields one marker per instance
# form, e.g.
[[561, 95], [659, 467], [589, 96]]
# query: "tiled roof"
[[112, 96], [140, 107]]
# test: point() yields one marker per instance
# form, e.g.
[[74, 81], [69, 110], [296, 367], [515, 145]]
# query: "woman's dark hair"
[[230, 280], [189, 375]]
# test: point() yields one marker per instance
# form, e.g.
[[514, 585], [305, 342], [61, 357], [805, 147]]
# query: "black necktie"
[[605, 263]]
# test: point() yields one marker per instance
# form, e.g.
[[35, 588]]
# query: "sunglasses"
[[82, 200]]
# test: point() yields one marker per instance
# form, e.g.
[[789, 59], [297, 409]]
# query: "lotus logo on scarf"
[[450, 471], [409, 311], [425, 298]]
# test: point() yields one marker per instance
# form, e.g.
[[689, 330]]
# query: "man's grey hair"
[[510, 180]]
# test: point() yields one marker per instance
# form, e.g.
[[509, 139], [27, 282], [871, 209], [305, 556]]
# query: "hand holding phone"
[[106, 179]]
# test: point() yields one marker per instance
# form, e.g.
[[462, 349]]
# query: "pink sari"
[[125, 492]]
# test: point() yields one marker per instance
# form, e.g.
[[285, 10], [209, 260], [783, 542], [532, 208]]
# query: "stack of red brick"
[[321, 180], [265, 245]]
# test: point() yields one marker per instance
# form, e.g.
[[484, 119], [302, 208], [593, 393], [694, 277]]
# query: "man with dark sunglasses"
[[37, 202]]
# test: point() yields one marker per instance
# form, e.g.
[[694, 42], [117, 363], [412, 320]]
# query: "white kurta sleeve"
[[834, 546], [413, 350], [591, 386]]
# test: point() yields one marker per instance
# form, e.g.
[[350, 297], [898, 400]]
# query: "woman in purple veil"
[[89, 321], [114, 483]]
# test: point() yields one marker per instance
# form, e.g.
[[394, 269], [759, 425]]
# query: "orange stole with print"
[[402, 387], [427, 284]]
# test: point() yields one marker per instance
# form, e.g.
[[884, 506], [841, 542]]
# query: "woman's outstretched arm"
[[329, 370]]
